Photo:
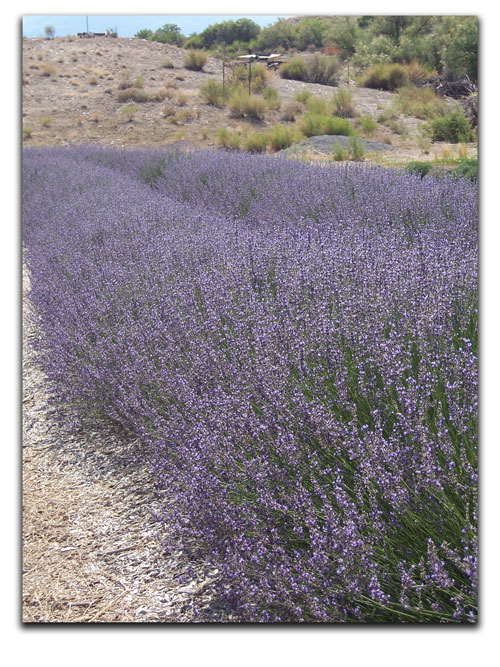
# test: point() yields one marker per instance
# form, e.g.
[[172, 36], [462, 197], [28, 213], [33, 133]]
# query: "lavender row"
[[296, 346]]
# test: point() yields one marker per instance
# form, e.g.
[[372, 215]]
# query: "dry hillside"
[[72, 87]]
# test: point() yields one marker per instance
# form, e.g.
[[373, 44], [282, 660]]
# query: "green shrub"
[[342, 103], [421, 102], [420, 168], [417, 72], [368, 126], [138, 95], [303, 96], [291, 110], [295, 69], [323, 69], [213, 93], [194, 42], [170, 33], [135, 94], [195, 60], [316, 105], [339, 153], [128, 112], [467, 169], [139, 82], [316, 124], [256, 142], [259, 77], [272, 98], [244, 105], [226, 139], [356, 149], [167, 64], [281, 137], [311, 124], [454, 127], [385, 76], [145, 33], [387, 115]]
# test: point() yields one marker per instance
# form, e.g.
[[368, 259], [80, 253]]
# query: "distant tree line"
[[446, 44]]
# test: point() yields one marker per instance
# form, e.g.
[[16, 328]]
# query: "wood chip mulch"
[[92, 550]]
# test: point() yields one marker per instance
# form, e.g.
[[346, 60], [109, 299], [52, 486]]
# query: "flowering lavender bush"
[[296, 347]]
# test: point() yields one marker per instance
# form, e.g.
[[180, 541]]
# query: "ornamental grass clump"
[[272, 98], [295, 348]]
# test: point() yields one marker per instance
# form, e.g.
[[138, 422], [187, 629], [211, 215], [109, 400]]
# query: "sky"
[[128, 25]]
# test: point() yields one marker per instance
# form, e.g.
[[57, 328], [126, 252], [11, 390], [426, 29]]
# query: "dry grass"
[[47, 69]]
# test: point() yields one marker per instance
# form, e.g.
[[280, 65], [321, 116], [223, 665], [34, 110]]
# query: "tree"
[[278, 35], [49, 31], [144, 34], [460, 45], [344, 35], [228, 32], [392, 26], [310, 31], [170, 33]]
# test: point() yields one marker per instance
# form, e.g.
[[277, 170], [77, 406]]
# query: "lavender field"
[[295, 346]]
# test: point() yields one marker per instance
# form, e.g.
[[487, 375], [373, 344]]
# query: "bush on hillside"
[[272, 98], [312, 124], [421, 102], [258, 77], [342, 103], [195, 60], [323, 69], [454, 127], [243, 105], [213, 93], [385, 77], [295, 69]]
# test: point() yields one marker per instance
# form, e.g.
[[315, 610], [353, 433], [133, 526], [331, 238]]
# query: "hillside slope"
[[72, 86]]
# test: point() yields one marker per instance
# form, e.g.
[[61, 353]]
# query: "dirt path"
[[91, 549]]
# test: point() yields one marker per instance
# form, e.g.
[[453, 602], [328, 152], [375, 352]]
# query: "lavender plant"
[[296, 347]]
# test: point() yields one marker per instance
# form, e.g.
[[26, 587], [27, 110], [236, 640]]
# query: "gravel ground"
[[326, 144]]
